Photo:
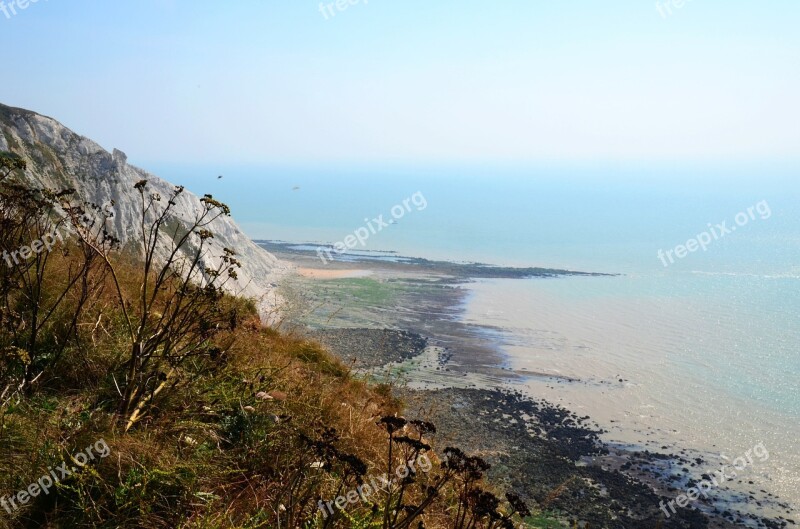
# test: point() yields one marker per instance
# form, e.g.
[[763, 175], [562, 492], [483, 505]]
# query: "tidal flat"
[[398, 320]]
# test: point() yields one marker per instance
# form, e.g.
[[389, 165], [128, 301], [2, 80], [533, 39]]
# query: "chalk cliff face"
[[58, 159]]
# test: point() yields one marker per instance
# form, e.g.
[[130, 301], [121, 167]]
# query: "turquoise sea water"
[[717, 331], [609, 220]]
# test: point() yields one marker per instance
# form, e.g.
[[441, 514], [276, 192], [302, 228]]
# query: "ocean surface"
[[703, 353]]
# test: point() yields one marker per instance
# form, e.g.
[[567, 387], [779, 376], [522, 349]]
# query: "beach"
[[459, 348]]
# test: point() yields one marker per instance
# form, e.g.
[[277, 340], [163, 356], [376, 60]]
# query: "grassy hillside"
[[135, 393]]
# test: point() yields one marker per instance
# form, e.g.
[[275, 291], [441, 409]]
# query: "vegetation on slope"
[[134, 392]]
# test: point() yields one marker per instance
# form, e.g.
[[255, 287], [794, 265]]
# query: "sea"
[[693, 342]]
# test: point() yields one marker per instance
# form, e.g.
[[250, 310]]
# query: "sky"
[[297, 82]]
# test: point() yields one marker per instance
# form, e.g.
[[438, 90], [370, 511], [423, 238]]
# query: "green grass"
[[543, 521], [365, 290]]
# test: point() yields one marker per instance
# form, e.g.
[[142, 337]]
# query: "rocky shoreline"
[[370, 348], [555, 458], [404, 318], [547, 454], [308, 253]]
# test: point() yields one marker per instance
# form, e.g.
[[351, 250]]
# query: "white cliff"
[[58, 159]]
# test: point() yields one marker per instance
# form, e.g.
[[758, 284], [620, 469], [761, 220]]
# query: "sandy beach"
[[323, 273]]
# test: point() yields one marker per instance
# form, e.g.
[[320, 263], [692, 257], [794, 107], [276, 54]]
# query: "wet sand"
[[640, 371], [407, 322]]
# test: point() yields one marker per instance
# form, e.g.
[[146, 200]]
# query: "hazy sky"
[[421, 81]]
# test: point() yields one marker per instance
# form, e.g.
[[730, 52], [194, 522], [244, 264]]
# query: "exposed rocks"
[[371, 347]]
